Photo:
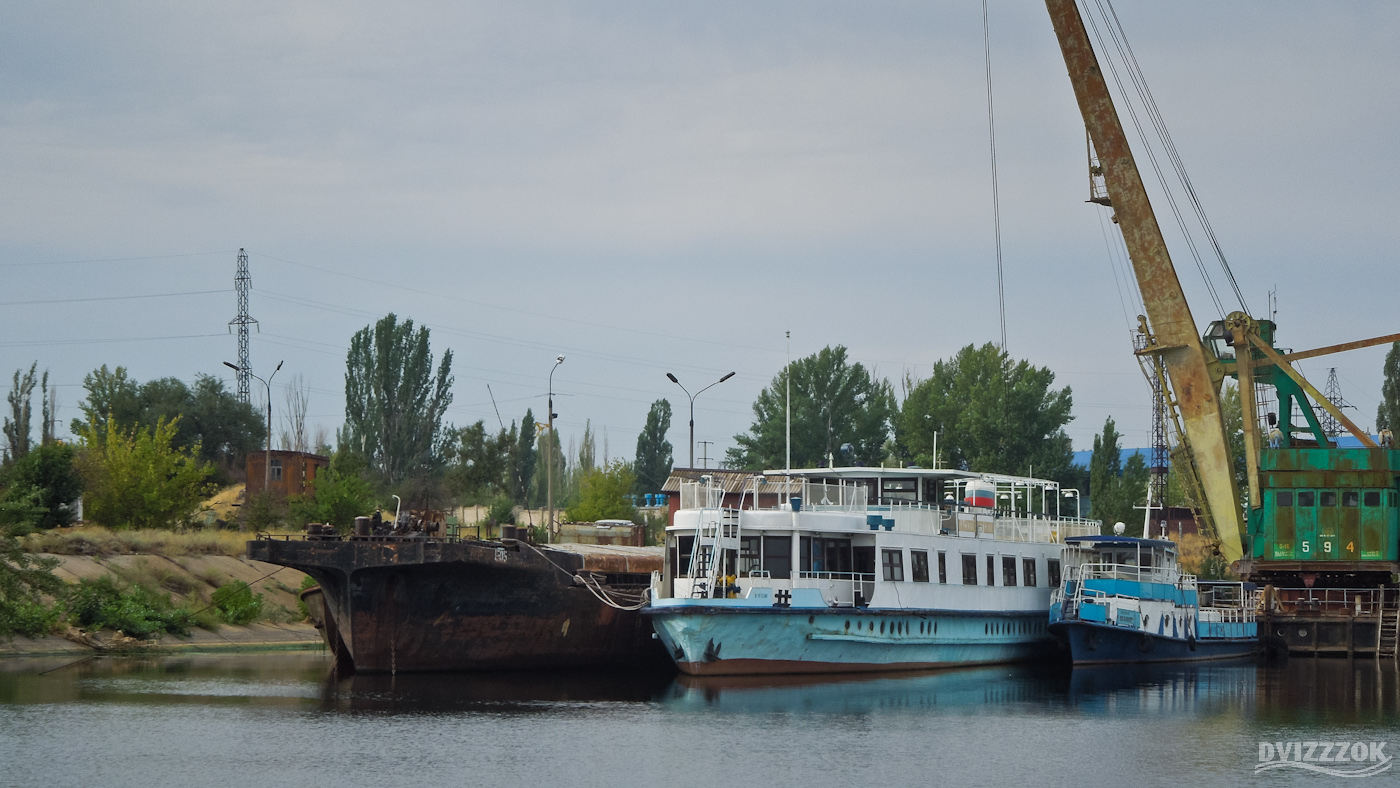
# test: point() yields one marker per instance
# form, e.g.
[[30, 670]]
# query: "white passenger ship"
[[860, 569]]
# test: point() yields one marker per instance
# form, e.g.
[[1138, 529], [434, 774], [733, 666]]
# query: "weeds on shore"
[[96, 540], [134, 609]]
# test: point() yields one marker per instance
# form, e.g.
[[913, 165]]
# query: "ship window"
[[991, 570], [969, 575], [1392, 497], [680, 559], [1372, 498], [1351, 498], [893, 563], [1028, 571], [942, 567], [777, 556], [1008, 571], [1329, 498], [1052, 571], [918, 564], [1283, 498], [748, 555], [1307, 498], [804, 554]]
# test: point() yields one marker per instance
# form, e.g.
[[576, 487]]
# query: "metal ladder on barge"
[[1388, 630]]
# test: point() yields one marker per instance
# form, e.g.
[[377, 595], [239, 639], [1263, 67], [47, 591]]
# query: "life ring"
[[1146, 643]]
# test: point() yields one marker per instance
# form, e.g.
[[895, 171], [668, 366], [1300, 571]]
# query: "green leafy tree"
[[654, 457], [523, 460], [988, 413], [16, 425], [1116, 487], [110, 394], [209, 416], [603, 494], [24, 578], [479, 462], [1388, 413], [49, 477], [834, 402], [341, 494], [394, 402], [138, 478], [212, 417]]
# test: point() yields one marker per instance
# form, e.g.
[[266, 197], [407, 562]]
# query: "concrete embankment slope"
[[193, 577]]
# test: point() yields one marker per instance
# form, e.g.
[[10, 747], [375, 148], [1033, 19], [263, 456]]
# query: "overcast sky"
[[651, 186]]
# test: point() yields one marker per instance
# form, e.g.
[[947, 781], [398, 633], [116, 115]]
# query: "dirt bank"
[[194, 578]]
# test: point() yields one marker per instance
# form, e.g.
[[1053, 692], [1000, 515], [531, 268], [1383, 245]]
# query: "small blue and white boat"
[[1125, 599], [859, 570]]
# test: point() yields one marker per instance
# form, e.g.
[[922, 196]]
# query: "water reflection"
[[497, 691], [1357, 691], [1301, 691]]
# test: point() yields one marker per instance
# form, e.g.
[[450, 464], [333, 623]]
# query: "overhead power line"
[[30, 301]]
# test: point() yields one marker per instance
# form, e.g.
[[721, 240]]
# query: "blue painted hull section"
[[1091, 643], [729, 640]]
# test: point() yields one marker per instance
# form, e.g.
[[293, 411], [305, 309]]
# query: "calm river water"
[[281, 720]]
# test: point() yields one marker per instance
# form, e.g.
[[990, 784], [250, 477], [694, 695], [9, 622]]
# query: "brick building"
[[293, 472]]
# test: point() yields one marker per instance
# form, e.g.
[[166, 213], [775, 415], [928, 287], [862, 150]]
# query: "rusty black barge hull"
[[415, 605]]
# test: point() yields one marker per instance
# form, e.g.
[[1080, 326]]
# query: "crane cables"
[[996, 198], [1119, 39]]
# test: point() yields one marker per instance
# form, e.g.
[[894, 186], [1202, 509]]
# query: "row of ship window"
[[892, 568], [1349, 498], [838, 557], [902, 627]]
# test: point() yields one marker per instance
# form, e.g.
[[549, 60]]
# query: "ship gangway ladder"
[[715, 524], [1388, 630], [709, 530]]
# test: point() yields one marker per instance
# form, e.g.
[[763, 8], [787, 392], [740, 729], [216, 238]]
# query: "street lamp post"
[[549, 452], [1067, 491], [692, 408], [267, 458]]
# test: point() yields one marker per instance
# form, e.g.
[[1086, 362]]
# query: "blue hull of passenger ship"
[[1090, 644], [709, 637]]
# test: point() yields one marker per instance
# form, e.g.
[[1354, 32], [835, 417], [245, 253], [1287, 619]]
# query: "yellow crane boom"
[[1187, 360]]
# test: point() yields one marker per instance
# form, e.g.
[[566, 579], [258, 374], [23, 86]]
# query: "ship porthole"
[[848, 624], [811, 619], [882, 627]]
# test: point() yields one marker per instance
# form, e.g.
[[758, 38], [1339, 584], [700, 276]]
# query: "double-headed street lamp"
[[267, 459], [549, 449], [692, 408]]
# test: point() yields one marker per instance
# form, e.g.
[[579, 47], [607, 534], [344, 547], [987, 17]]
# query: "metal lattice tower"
[[1333, 393], [1161, 452], [242, 282]]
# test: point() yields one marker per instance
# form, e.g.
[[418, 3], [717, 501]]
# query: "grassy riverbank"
[[145, 590]]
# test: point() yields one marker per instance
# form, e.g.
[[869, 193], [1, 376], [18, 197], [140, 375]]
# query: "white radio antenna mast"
[[787, 377]]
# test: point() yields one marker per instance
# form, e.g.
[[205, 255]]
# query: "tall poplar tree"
[[1388, 414], [654, 453], [394, 401]]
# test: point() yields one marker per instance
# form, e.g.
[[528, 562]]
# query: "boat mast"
[[1188, 362]]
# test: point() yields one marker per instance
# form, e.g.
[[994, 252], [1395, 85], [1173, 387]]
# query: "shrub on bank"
[[134, 610], [28, 617], [237, 604]]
